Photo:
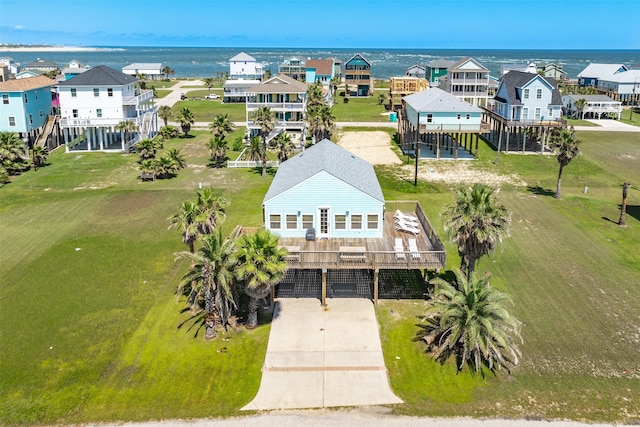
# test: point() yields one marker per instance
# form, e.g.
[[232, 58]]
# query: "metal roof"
[[280, 84], [243, 57], [332, 159], [438, 100], [143, 65], [100, 75], [600, 70]]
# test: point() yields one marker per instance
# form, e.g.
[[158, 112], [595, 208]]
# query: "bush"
[[346, 100]]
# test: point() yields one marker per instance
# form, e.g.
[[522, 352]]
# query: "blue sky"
[[470, 24]]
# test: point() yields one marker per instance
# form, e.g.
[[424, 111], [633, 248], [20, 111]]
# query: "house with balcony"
[[416, 70], [25, 106], [320, 71], [293, 67], [327, 206], [436, 70], [435, 124], [594, 72], [469, 80], [287, 98], [528, 98], [12, 66], [244, 66], [73, 68], [595, 107], [151, 70], [357, 77], [93, 103], [42, 65], [237, 90], [622, 86]]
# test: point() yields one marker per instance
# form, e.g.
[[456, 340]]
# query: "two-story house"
[[593, 72], [528, 98], [436, 70], [623, 86], [594, 106], [245, 66], [468, 80], [151, 70], [293, 67], [320, 70], [287, 98], [92, 105], [73, 68], [357, 76], [25, 106], [12, 66], [42, 65]]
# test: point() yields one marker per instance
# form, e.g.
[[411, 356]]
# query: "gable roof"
[[242, 57], [332, 159], [591, 98], [100, 75], [514, 80], [280, 84], [358, 57], [600, 70], [28, 83], [440, 63], [460, 64], [631, 76], [41, 63], [143, 65], [322, 66], [438, 100]]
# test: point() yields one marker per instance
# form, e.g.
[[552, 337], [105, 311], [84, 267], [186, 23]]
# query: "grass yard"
[[205, 110], [89, 318], [359, 110]]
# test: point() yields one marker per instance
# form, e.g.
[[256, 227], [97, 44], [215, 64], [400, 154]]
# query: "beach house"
[[400, 87], [287, 98], [594, 107], [320, 70], [41, 65], [92, 105], [469, 80], [525, 97], [416, 70], [436, 70], [25, 106], [293, 67], [622, 86], [12, 66], [357, 77], [73, 68], [327, 206], [435, 124], [594, 72], [245, 66], [150, 70]]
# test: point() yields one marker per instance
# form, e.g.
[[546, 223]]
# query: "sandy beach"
[[51, 49]]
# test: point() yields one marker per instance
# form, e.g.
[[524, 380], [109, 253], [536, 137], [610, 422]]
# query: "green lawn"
[[205, 110], [359, 110], [89, 318]]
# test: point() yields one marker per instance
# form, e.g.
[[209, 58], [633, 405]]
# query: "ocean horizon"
[[194, 62]]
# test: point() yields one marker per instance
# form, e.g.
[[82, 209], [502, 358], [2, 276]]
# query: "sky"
[[425, 24]]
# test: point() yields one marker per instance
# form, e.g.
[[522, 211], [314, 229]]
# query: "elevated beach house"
[[293, 67], [434, 121], [151, 70], [469, 80], [328, 208], [25, 106], [73, 68], [436, 70], [623, 87], [595, 107], [42, 65], [357, 76], [245, 66], [287, 98], [92, 105], [594, 72]]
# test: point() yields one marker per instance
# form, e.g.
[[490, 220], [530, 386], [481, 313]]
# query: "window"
[[429, 118], [41, 113], [96, 92], [459, 116], [468, 116], [537, 113], [99, 112], [73, 92], [75, 114], [525, 113], [550, 112], [26, 98], [5, 98], [292, 222], [30, 119], [340, 222], [372, 222], [307, 221], [538, 93], [526, 94], [12, 121], [274, 221], [109, 92], [36, 92], [356, 222]]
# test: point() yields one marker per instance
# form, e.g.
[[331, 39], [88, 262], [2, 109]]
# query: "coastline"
[[50, 49]]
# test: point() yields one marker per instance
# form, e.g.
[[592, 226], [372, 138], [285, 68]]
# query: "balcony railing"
[[97, 122], [283, 124], [471, 127], [145, 96], [277, 106]]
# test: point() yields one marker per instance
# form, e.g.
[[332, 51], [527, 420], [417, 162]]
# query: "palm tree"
[[579, 104], [327, 121], [208, 82], [176, 156], [209, 284], [142, 80], [165, 113], [284, 146], [186, 118], [149, 166], [254, 151], [218, 150], [476, 223], [266, 119], [212, 210], [566, 147], [168, 132], [167, 71], [260, 265], [166, 167], [314, 96], [39, 156], [382, 98], [186, 221], [126, 126], [146, 149], [470, 321], [12, 152], [221, 126]]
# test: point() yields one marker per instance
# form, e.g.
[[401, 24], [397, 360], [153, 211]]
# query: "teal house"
[[357, 77], [435, 70], [327, 189]]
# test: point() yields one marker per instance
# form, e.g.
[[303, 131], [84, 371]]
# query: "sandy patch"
[[374, 147], [457, 173]]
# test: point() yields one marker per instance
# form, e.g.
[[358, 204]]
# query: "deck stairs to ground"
[[277, 131], [48, 128]]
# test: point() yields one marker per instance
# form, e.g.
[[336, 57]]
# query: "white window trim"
[[14, 120], [362, 220], [313, 220], [286, 222], [377, 221], [280, 221], [335, 222]]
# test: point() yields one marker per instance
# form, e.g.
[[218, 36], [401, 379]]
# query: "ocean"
[[208, 62]]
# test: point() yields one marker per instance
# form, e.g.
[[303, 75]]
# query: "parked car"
[[212, 96], [183, 97]]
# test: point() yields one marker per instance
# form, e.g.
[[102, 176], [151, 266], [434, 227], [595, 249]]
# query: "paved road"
[[608, 126]]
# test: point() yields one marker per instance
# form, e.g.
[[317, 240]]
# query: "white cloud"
[[19, 27]]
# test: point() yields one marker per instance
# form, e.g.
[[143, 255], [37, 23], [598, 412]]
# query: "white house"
[[94, 102], [10, 63], [73, 68], [152, 70], [236, 90], [594, 72], [595, 106], [622, 86], [527, 98], [244, 66], [469, 80]]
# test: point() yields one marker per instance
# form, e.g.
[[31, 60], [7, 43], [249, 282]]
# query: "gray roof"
[[143, 65], [456, 65], [280, 84], [631, 76], [331, 158], [243, 57], [518, 79], [438, 100], [600, 70], [440, 63], [590, 98], [100, 75]]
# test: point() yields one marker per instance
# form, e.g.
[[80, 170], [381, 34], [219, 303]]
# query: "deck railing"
[[368, 260]]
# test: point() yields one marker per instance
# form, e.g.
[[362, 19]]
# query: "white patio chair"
[[407, 228], [406, 216], [413, 249], [399, 249]]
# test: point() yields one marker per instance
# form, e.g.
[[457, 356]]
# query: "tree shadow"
[[632, 210], [258, 171], [539, 191]]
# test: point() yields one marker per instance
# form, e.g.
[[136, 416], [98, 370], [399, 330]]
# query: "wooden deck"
[[371, 253]]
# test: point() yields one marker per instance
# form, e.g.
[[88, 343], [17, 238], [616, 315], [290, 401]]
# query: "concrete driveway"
[[323, 357]]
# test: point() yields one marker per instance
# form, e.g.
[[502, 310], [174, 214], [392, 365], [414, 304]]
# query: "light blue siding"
[[38, 100], [323, 190]]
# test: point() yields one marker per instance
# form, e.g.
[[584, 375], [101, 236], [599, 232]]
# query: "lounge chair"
[[399, 249], [413, 249], [407, 228], [400, 214]]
